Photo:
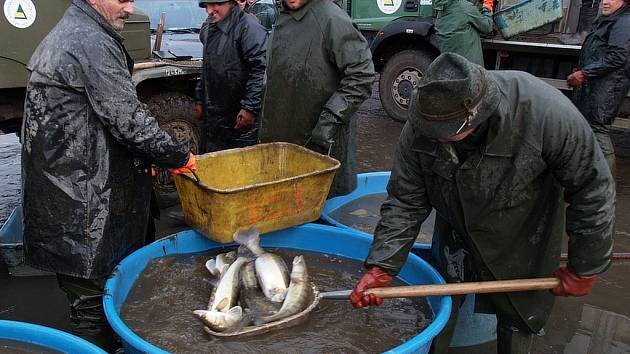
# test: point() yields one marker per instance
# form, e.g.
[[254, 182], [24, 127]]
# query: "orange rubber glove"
[[489, 4], [375, 277], [576, 79], [190, 166], [572, 284]]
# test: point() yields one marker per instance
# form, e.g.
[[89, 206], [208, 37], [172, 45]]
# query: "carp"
[[220, 321], [271, 270], [298, 293], [225, 295]]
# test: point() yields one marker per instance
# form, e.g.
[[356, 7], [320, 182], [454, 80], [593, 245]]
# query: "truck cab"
[[526, 37], [166, 86]]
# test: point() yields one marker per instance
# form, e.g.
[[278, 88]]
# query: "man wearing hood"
[[509, 165], [230, 88], [458, 24], [320, 71]]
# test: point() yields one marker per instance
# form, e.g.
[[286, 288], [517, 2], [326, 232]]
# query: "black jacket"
[[87, 143], [234, 63], [605, 60]]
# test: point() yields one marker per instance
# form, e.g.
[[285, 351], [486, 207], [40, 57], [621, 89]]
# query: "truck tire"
[[400, 76], [174, 113]]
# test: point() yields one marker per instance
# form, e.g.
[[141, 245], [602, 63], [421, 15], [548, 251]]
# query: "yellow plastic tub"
[[272, 186]]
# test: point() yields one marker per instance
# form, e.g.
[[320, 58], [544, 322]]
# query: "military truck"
[[166, 86], [527, 38]]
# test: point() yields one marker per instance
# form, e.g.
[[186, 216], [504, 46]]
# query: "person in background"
[[265, 10], [509, 165], [233, 77], [88, 145], [603, 79], [320, 71], [458, 24], [588, 13]]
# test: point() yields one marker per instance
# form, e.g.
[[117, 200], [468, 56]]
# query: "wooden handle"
[[148, 65], [480, 287], [157, 45]]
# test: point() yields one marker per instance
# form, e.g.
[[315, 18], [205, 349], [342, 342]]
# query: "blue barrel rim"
[[135, 341], [362, 189], [46, 337]]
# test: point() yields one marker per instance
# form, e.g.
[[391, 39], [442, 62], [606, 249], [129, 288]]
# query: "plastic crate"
[[527, 15], [272, 186]]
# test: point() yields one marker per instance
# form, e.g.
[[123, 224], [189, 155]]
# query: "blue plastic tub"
[[309, 237], [472, 328], [46, 337], [12, 248]]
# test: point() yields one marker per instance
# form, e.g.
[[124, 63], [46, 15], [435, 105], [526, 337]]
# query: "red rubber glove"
[[489, 4], [576, 79], [190, 166], [375, 277], [197, 111], [244, 119], [572, 284]]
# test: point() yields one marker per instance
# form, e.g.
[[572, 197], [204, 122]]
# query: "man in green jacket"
[[458, 24], [506, 161], [319, 72]]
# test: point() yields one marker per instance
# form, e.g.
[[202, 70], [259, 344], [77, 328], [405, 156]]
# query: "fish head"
[[298, 271], [220, 321]]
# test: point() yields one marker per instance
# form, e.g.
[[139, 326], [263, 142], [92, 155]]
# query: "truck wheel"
[[400, 76], [174, 113]]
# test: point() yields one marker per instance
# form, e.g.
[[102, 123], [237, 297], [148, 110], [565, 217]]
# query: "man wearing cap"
[[506, 161], [320, 71], [230, 88]]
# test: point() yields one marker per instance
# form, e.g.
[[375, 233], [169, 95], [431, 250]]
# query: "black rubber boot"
[[87, 318], [512, 340], [588, 13]]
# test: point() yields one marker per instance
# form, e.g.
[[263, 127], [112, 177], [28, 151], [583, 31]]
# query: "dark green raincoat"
[[539, 157], [319, 65], [457, 26]]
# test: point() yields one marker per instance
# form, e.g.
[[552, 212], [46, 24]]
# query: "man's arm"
[[481, 20], [617, 52], [113, 98], [349, 51], [404, 211], [573, 154], [254, 49]]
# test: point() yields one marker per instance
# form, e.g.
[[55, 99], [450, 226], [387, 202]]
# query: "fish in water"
[[221, 321], [271, 270], [298, 293], [225, 294], [248, 275], [217, 266], [255, 302]]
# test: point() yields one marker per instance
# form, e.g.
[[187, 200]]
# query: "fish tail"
[[250, 238]]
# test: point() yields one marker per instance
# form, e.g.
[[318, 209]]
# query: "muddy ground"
[[598, 323]]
